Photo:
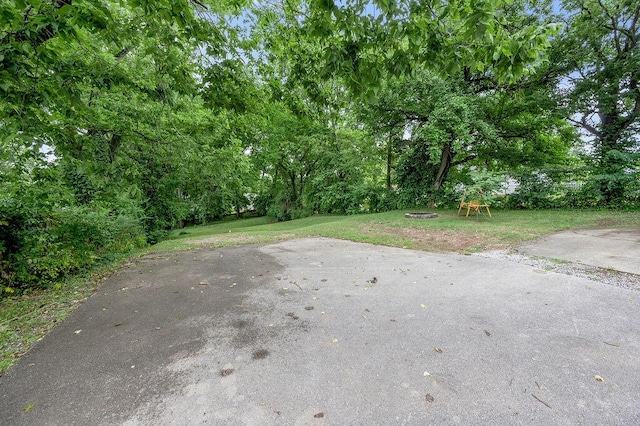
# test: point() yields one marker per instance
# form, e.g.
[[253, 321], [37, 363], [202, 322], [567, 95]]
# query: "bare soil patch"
[[445, 241], [607, 222]]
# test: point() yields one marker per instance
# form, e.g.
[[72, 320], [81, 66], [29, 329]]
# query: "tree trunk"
[[294, 191], [446, 157], [114, 144]]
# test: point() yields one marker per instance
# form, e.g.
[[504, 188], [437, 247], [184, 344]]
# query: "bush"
[[375, 199], [155, 236], [538, 191], [40, 251], [542, 191]]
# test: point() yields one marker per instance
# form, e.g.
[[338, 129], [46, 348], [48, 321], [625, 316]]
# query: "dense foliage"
[[120, 120], [106, 138], [601, 53]]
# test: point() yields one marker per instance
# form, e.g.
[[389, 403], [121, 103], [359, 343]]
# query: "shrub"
[[537, 191], [45, 249], [376, 199]]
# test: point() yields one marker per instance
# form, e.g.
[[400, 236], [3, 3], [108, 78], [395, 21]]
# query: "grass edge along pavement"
[[27, 318]]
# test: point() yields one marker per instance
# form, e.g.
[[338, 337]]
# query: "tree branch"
[[123, 53], [464, 160], [588, 127], [614, 27], [202, 5]]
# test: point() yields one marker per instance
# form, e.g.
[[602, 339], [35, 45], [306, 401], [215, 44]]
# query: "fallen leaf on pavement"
[[423, 306], [429, 398], [437, 349], [226, 372], [599, 378]]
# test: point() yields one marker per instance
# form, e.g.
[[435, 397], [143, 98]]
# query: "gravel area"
[[602, 275]]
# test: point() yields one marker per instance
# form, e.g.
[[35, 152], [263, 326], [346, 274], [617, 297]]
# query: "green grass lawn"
[[447, 233], [27, 318]]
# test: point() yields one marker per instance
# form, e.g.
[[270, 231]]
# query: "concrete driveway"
[[328, 332], [617, 249]]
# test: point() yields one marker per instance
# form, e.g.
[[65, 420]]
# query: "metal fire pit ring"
[[421, 215]]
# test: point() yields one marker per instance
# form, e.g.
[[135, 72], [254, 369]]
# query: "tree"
[[601, 50], [112, 89], [437, 126], [347, 177], [364, 41], [288, 150]]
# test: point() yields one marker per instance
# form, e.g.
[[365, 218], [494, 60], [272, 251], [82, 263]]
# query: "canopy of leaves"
[[364, 41]]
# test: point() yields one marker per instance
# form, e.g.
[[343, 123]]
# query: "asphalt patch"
[[439, 339]]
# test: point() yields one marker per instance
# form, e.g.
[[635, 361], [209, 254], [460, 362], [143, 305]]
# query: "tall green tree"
[[288, 150], [601, 56], [474, 48], [436, 127]]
